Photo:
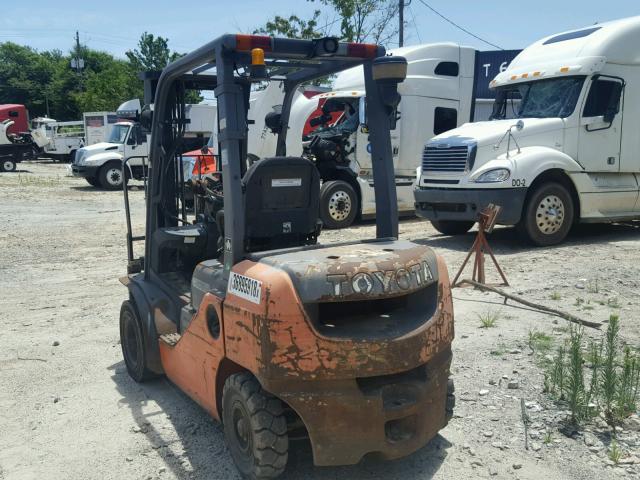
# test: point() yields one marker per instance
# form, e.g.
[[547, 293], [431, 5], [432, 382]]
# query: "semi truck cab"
[[570, 153]]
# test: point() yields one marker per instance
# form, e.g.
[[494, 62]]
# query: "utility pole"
[[401, 28], [401, 5], [77, 63]]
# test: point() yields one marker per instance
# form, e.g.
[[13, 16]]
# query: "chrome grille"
[[445, 159]]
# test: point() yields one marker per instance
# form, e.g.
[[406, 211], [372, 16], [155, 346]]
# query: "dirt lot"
[[70, 411]]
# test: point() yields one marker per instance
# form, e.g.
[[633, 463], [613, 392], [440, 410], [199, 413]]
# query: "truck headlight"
[[494, 176]]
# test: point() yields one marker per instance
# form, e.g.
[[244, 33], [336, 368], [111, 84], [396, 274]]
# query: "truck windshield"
[[552, 98], [118, 134]]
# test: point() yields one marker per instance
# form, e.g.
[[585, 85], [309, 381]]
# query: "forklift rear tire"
[[92, 181], [452, 227], [132, 343], [255, 428], [111, 176], [338, 204], [8, 165]]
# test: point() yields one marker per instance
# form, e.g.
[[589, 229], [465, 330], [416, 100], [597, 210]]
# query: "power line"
[[458, 26], [415, 25]]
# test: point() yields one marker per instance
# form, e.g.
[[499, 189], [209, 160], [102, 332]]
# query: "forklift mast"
[[293, 62]]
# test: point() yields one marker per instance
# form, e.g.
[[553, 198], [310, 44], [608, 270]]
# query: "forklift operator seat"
[[281, 203]]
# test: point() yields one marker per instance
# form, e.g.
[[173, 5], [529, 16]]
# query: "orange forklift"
[[278, 336]]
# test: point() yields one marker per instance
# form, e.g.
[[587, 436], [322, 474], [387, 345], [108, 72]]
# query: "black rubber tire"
[[329, 205], [451, 399], [528, 226], [104, 171], [8, 165], [255, 428], [452, 227], [132, 343], [92, 181]]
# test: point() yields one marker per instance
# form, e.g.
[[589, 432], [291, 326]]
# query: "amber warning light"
[[257, 70]]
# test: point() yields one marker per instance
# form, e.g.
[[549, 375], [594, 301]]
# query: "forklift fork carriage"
[[237, 304]]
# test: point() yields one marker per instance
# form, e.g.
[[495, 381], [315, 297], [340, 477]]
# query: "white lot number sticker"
[[245, 287], [286, 182]]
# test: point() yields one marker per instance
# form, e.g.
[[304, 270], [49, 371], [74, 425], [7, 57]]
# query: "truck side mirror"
[[613, 107], [388, 72], [146, 118]]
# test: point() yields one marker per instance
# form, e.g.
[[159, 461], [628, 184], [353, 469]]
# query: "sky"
[[116, 25]]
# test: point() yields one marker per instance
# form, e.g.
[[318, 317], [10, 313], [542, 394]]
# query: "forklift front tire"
[[255, 428], [132, 343]]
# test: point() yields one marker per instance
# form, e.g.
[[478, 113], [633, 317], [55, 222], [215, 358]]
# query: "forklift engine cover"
[[355, 338]]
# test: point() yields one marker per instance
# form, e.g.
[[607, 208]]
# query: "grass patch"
[[603, 378], [555, 296], [540, 342], [489, 319], [614, 453]]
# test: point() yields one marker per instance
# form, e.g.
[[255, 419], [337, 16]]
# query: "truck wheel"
[[452, 227], [132, 343], [338, 204], [110, 176], [8, 165], [548, 215], [92, 181], [255, 428]]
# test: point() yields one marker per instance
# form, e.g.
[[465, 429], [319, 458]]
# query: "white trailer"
[[572, 155], [98, 126], [446, 86]]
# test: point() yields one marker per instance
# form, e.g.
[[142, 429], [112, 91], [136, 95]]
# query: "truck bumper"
[[389, 417], [465, 204], [84, 171]]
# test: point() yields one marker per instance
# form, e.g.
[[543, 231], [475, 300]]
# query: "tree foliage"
[[292, 27], [153, 53], [36, 79], [365, 20]]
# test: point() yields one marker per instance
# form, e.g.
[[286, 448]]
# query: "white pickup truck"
[[101, 163], [570, 156]]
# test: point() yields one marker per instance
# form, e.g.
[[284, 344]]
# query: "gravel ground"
[[70, 411]]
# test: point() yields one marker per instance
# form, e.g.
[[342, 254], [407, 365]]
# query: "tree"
[[365, 20], [152, 53], [292, 27]]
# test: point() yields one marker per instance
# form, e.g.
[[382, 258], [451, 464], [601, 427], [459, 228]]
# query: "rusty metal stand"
[[486, 222]]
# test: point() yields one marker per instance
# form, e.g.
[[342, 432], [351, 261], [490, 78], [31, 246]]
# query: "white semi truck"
[[570, 156], [101, 163], [446, 86]]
